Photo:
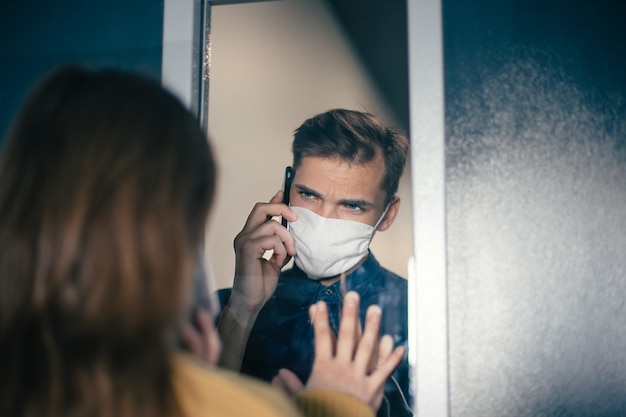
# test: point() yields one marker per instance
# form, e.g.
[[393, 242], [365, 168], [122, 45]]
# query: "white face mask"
[[327, 247]]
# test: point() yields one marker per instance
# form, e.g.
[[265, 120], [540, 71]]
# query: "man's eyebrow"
[[359, 203], [346, 201], [308, 190]]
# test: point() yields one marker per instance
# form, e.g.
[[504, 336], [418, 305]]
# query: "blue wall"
[[36, 36]]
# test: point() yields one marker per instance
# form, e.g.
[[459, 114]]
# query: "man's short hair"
[[355, 137]]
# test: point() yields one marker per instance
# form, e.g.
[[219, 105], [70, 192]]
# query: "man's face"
[[336, 189]]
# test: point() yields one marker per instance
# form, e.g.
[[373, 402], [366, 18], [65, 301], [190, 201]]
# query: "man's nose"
[[327, 210]]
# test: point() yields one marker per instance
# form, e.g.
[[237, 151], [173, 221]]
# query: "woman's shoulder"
[[202, 390]]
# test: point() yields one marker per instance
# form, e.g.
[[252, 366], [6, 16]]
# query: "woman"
[[106, 182]]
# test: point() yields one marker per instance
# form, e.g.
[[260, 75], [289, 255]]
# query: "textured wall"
[[536, 189]]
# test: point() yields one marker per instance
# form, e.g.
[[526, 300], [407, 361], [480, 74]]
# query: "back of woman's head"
[[105, 185]]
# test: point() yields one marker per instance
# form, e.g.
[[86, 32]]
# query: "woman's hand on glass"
[[357, 361]]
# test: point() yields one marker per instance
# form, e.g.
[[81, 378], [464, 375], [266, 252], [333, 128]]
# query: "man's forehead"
[[377, 163], [343, 178]]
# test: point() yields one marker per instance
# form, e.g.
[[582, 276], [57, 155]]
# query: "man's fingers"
[[289, 215], [267, 236], [264, 239], [255, 246], [278, 197], [262, 212]]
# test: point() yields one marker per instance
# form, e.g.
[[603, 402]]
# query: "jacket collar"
[[295, 285]]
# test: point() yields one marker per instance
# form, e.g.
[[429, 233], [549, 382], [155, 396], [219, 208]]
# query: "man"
[[347, 168]]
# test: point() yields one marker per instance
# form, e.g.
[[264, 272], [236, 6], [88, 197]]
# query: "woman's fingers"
[[386, 368], [288, 381], [366, 355], [212, 343], [349, 328], [361, 361], [324, 336], [191, 339], [202, 340]]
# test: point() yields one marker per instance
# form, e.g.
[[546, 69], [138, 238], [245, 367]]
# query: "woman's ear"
[[390, 215]]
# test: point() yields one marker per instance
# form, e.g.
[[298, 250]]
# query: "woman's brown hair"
[[106, 181]]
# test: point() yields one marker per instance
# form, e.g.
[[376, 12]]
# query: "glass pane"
[[273, 65], [536, 190]]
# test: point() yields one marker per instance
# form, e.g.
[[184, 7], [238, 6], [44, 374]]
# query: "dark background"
[[36, 36], [378, 30]]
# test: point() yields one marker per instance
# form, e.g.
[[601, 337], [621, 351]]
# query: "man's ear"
[[391, 214]]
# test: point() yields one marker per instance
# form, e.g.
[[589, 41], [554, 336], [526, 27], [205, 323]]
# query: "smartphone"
[[286, 188]]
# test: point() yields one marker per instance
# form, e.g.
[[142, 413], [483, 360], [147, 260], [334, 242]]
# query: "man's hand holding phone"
[[256, 275]]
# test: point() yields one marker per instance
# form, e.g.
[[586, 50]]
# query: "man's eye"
[[354, 207], [306, 195]]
